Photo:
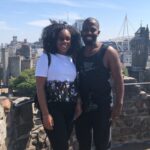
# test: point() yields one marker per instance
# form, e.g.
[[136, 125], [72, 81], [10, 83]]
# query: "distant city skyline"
[[26, 18]]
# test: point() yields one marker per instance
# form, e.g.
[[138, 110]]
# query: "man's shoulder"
[[111, 51]]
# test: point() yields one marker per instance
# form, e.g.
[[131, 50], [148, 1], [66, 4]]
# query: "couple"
[[90, 105]]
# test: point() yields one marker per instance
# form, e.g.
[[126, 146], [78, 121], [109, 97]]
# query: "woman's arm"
[[47, 118], [78, 108]]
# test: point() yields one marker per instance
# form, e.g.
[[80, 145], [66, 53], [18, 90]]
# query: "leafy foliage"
[[24, 85], [125, 71]]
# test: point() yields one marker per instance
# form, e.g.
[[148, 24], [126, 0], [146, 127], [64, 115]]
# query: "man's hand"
[[116, 111]]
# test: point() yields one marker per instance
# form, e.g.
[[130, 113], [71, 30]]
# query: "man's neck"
[[92, 49], [92, 46]]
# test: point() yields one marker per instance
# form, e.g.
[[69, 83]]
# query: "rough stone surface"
[[134, 122], [129, 132], [2, 129], [19, 124]]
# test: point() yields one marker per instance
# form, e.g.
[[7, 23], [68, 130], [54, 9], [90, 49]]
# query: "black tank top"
[[94, 78]]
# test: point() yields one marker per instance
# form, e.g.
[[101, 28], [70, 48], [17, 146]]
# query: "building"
[[139, 47], [78, 24], [24, 50], [14, 66], [14, 58], [5, 62]]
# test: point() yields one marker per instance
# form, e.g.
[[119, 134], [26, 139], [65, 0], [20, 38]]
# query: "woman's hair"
[[50, 37]]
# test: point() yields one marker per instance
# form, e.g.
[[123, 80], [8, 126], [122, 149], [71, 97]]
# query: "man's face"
[[89, 32]]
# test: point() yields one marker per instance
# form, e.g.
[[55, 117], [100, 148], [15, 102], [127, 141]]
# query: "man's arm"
[[114, 64]]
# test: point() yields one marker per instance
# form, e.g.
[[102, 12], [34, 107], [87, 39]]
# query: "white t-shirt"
[[61, 68]]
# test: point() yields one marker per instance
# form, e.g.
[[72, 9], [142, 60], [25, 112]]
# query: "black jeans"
[[62, 113], [96, 124]]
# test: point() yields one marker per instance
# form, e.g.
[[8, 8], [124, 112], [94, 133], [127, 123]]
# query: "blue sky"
[[26, 18]]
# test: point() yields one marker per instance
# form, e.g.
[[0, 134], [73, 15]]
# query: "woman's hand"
[[48, 121], [78, 110]]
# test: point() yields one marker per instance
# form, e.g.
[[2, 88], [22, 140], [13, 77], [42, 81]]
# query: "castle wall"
[[139, 53], [24, 128], [134, 122]]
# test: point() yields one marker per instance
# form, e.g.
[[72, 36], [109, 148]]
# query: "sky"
[[26, 18]]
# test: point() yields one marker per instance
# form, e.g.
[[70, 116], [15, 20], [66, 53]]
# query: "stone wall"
[[25, 131], [2, 128], [16, 123], [134, 122]]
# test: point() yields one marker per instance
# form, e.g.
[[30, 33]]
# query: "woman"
[[61, 42]]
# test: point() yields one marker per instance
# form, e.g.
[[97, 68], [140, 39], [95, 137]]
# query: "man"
[[96, 63]]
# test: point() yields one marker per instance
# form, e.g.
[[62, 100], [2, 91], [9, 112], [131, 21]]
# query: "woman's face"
[[63, 41]]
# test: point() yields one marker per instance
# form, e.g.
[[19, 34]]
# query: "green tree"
[[24, 85], [125, 71]]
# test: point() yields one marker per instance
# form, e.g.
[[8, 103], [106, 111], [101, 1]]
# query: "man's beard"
[[89, 42]]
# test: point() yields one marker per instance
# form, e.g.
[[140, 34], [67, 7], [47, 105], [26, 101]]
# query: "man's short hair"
[[89, 19]]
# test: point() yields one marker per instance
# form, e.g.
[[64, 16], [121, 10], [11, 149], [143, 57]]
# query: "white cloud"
[[81, 4], [39, 23], [69, 17], [5, 26], [107, 5], [61, 2]]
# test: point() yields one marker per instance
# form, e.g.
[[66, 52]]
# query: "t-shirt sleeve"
[[42, 66]]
